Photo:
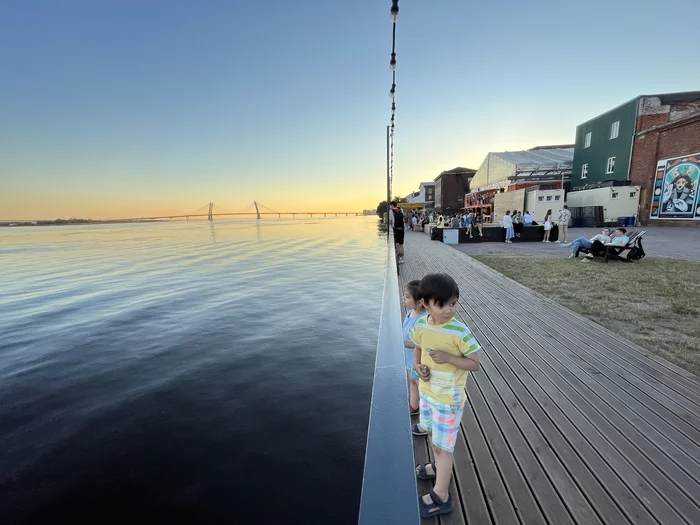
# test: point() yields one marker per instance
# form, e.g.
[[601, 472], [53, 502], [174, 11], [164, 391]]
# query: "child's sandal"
[[418, 431], [436, 507], [422, 471]]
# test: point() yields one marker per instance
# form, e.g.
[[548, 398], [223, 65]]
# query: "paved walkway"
[[681, 243], [566, 423]]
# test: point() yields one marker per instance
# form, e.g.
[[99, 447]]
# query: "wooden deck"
[[566, 423]]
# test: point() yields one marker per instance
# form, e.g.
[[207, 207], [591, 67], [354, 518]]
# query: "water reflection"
[[166, 371]]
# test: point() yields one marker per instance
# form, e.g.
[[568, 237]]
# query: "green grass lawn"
[[654, 302]]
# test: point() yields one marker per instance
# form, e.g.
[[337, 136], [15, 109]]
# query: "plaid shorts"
[[441, 421]]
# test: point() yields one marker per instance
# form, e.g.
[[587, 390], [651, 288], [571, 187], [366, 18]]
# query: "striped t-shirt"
[[447, 382]]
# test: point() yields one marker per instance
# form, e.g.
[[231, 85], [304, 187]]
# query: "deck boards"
[[566, 422]]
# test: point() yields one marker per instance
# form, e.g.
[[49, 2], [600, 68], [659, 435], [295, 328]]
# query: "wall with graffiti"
[[676, 192]]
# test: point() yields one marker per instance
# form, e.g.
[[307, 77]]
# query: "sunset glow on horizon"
[[124, 110]]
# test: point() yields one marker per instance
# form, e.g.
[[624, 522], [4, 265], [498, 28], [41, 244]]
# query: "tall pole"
[[388, 180]]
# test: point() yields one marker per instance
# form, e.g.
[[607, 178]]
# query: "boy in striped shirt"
[[445, 353]]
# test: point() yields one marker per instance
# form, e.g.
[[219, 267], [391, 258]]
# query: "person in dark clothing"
[[397, 221]]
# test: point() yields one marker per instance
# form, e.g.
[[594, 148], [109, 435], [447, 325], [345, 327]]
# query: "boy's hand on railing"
[[423, 371]]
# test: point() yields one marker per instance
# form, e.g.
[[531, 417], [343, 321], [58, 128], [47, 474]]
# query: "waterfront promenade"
[[566, 422]]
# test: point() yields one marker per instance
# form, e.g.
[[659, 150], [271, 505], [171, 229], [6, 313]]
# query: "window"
[[549, 197], [611, 165], [614, 129], [557, 197], [587, 140], [584, 171], [633, 194], [540, 198], [615, 195]]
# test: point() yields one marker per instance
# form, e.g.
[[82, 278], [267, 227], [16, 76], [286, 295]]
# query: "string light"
[[394, 15], [394, 11]]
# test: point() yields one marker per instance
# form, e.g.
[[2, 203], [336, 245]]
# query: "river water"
[[187, 372]]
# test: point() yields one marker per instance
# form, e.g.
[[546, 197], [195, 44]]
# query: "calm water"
[[187, 372]]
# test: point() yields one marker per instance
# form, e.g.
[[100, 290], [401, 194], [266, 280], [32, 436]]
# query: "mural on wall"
[[676, 188]]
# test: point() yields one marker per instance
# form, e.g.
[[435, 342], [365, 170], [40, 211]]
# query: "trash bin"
[[626, 221]]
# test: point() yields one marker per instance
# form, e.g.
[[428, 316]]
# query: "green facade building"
[[603, 148]]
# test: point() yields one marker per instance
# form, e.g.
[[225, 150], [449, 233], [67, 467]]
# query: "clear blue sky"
[[115, 108]]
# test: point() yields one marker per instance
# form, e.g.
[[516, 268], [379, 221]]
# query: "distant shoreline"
[[73, 222]]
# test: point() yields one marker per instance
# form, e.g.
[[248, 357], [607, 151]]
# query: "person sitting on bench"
[[583, 243], [619, 240]]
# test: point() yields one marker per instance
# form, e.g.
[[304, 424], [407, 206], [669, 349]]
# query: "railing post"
[[389, 490]]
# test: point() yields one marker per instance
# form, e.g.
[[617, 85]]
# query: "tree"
[[382, 208]]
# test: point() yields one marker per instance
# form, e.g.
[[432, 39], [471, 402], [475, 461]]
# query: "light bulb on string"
[[392, 91], [392, 62], [394, 11]]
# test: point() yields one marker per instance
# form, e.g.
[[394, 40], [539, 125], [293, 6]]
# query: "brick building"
[[450, 187], [652, 141], [667, 147]]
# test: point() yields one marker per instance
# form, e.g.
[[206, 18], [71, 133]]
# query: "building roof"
[[459, 171], [665, 99], [677, 98], [503, 168], [542, 158], [432, 183]]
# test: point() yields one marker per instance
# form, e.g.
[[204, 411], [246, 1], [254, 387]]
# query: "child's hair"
[[413, 288], [438, 287]]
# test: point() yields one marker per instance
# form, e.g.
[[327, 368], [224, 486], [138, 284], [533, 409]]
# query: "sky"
[[129, 108]]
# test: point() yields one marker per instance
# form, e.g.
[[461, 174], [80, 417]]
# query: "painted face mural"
[[676, 189]]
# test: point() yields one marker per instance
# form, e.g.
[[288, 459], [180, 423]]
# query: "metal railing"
[[389, 491]]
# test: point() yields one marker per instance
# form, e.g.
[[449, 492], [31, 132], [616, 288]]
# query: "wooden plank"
[[577, 329], [680, 501], [470, 490], [497, 498], [646, 459], [584, 441], [535, 499], [684, 417], [612, 428], [683, 445]]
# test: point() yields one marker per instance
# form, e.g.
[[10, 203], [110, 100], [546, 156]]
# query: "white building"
[[425, 195]]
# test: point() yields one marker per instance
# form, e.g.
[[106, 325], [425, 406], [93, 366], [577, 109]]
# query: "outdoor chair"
[[614, 252]]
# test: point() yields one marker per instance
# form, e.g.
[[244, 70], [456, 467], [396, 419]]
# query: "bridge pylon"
[[257, 211], [210, 216]]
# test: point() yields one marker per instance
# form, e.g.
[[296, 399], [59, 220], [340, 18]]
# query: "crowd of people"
[[513, 223], [440, 352]]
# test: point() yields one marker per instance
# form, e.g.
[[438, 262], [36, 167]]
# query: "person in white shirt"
[[528, 218], [586, 244], [507, 223], [563, 222], [414, 221]]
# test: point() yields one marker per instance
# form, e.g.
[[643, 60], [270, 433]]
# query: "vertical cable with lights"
[[390, 128]]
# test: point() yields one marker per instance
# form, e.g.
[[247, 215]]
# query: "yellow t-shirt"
[[447, 382]]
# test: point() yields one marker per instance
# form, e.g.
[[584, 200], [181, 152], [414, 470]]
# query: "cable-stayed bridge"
[[255, 209]]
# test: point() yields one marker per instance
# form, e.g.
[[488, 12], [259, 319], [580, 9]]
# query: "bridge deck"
[[566, 423]]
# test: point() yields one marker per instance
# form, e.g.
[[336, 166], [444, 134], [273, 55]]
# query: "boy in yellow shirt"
[[445, 353]]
